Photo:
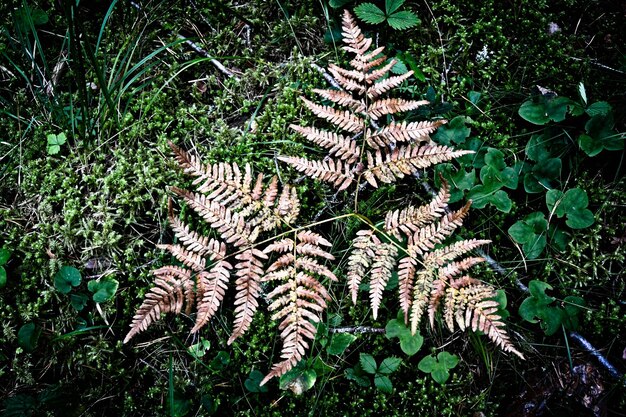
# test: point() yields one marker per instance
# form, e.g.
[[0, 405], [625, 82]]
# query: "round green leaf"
[[535, 113], [590, 145], [427, 364], [448, 360], [500, 199], [575, 199], [103, 289], [27, 336], [78, 301], [66, 278], [440, 375], [579, 219], [601, 108]]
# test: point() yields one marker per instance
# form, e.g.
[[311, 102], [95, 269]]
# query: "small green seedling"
[[4, 258], [539, 308], [573, 204], [55, 142], [399, 20], [531, 234], [546, 171], [409, 343], [220, 361], [198, 350], [66, 278], [103, 289], [439, 367], [494, 176]]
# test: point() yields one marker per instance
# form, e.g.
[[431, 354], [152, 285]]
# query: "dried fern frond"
[[301, 299], [427, 270], [356, 108]]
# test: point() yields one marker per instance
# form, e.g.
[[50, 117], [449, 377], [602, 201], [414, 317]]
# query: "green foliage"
[[573, 204], [5, 254], [55, 142], [198, 350], [253, 381], [299, 379], [367, 366], [539, 308], [397, 19], [531, 233], [494, 176], [439, 366], [28, 336], [66, 278], [103, 289], [409, 343], [339, 343]]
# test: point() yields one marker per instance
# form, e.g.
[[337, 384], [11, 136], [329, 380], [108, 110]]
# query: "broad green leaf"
[[253, 381], [553, 201], [78, 301], [454, 132], [389, 365], [28, 336], [399, 67], [528, 309], [440, 375], [551, 319], [495, 159], [383, 383], [355, 376], [209, 404], [579, 218], [427, 364], [591, 146], [368, 363], [369, 13], [3, 277], [559, 238], [55, 142], [537, 289], [393, 5], [474, 97], [448, 360], [575, 199], [536, 148], [104, 289], [601, 108], [409, 343], [546, 170], [220, 361], [299, 379], [336, 4], [534, 113], [320, 367], [572, 305], [500, 200], [556, 108], [403, 20], [339, 343], [181, 406], [535, 247], [438, 367], [502, 301], [66, 278], [4, 256]]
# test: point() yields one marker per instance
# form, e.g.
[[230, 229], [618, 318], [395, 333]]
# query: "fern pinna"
[[369, 151], [240, 208]]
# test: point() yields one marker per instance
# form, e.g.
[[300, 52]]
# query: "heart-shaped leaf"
[[104, 289], [28, 336], [253, 381], [55, 142], [439, 367], [220, 361], [454, 132], [78, 301], [66, 278], [409, 343], [531, 234]]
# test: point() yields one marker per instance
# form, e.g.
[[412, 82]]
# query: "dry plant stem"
[[326, 76], [584, 343], [357, 329]]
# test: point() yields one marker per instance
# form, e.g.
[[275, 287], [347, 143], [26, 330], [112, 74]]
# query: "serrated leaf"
[[393, 5], [352, 375], [339, 343], [104, 289], [368, 363], [389, 365], [66, 278], [403, 20], [601, 108], [370, 13], [383, 383]]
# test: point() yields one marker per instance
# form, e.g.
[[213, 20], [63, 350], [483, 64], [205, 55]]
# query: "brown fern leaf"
[[380, 72], [476, 308], [288, 207], [439, 285], [342, 98], [167, 295], [421, 294], [232, 226], [352, 36], [370, 60], [406, 160], [338, 174], [211, 287], [403, 132], [425, 239], [440, 257], [383, 263], [190, 259], [342, 119], [410, 219], [194, 242], [360, 260], [387, 84], [337, 145], [300, 299], [391, 106], [347, 83], [407, 267], [249, 273]]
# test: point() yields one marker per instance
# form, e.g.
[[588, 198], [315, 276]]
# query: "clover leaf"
[[55, 142], [494, 175], [439, 366], [66, 278], [573, 204], [198, 350], [409, 343], [367, 364], [104, 289], [78, 301], [531, 234]]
